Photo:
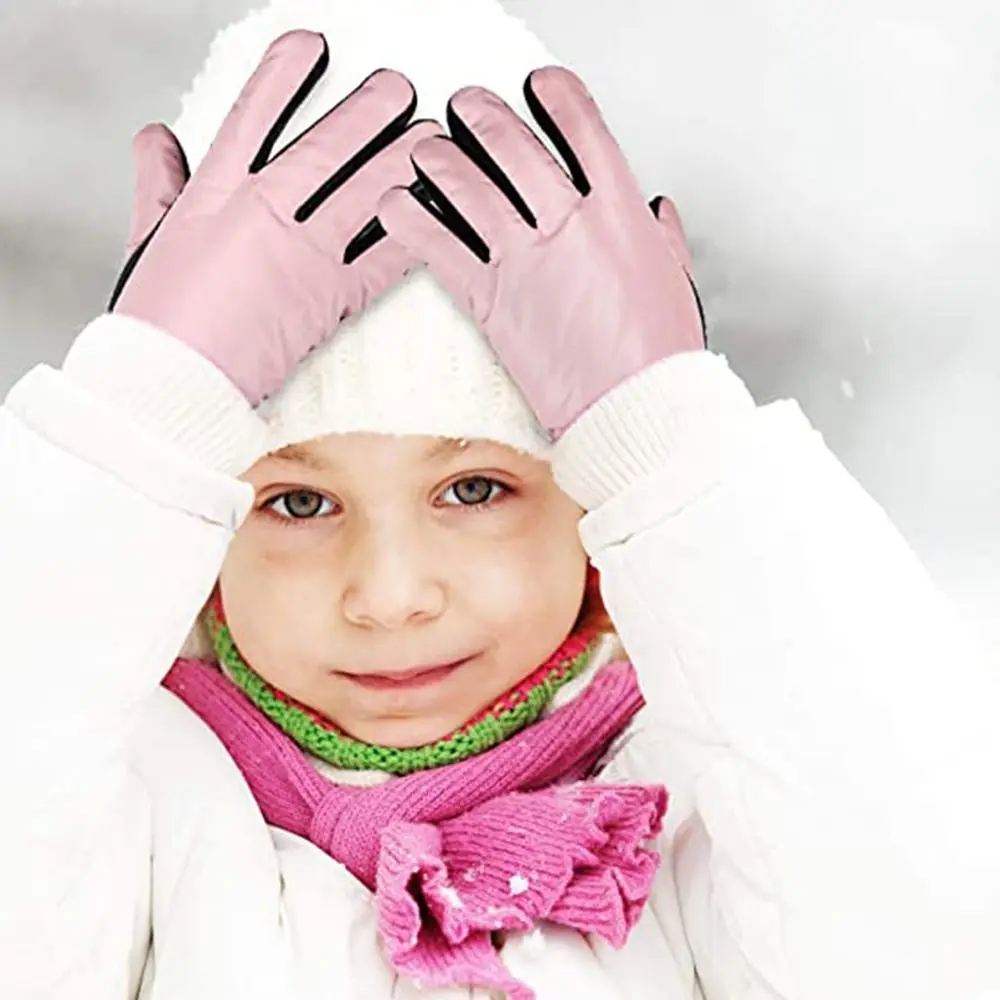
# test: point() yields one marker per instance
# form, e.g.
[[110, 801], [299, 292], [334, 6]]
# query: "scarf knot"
[[492, 844], [574, 855]]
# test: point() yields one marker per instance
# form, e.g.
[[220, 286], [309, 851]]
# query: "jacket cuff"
[[687, 405], [169, 390]]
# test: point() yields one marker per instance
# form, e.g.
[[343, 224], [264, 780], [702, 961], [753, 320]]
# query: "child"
[[414, 766]]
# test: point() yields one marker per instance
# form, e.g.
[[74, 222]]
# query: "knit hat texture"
[[413, 362]]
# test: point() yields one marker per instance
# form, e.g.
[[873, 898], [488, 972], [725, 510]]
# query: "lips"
[[399, 680]]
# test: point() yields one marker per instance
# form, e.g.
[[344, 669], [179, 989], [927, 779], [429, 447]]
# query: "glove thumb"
[[667, 215], [161, 171], [669, 219]]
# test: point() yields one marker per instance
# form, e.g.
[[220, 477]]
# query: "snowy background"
[[838, 167]]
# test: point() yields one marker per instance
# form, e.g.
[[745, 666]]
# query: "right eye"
[[300, 505]]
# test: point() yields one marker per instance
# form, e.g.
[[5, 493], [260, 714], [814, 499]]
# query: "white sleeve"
[[816, 699], [117, 506]]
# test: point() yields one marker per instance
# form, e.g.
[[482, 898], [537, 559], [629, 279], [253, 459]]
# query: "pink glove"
[[258, 258], [575, 283]]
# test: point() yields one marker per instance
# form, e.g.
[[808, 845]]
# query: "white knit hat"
[[412, 363]]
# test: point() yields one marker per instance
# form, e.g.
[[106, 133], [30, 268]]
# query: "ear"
[[593, 618]]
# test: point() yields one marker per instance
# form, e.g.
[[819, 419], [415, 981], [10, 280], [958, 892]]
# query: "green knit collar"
[[512, 712]]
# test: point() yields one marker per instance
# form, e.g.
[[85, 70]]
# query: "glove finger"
[[287, 73], [335, 221], [413, 224], [667, 215], [161, 171], [471, 204], [307, 172], [569, 116], [505, 149]]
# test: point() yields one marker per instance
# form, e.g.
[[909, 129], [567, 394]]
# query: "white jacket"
[[827, 732]]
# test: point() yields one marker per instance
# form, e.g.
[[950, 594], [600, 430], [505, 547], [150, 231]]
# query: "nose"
[[392, 581]]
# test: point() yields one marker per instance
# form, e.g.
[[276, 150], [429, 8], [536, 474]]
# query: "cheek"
[[530, 585], [562, 565], [271, 604]]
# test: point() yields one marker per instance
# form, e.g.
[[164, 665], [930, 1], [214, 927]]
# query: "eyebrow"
[[304, 455], [444, 448]]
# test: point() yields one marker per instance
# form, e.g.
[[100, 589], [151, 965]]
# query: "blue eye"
[[300, 505], [474, 491]]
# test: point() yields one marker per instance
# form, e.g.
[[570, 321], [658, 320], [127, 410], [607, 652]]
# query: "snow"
[[835, 164], [518, 884], [452, 897]]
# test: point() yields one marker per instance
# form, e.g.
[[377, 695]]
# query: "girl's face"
[[399, 585]]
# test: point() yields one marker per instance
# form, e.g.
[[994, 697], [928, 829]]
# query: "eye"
[[299, 505], [474, 491]]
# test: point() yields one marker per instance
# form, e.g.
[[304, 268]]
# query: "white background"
[[837, 164]]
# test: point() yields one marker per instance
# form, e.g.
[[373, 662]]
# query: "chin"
[[404, 734]]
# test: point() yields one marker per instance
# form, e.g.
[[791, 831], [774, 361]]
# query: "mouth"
[[403, 680]]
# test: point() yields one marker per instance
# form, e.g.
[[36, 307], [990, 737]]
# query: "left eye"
[[301, 505], [475, 491]]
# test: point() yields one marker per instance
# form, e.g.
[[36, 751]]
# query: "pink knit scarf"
[[494, 843]]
